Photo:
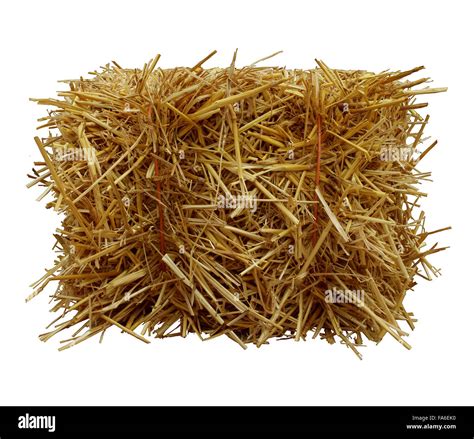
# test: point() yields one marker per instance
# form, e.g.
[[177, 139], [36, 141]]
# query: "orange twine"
[[158, 196], [316, 181]]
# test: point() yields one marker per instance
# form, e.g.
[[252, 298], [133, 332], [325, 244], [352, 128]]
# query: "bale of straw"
[[251, 202]]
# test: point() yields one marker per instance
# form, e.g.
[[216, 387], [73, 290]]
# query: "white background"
[[44, 41]]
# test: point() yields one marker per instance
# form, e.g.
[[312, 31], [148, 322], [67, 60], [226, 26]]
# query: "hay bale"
[[253, 202]]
